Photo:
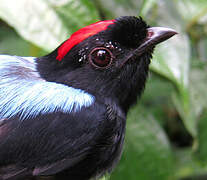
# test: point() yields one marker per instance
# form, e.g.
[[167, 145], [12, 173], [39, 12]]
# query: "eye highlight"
[[101, 57]]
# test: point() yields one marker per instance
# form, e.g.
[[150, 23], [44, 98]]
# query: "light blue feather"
[[23, 92]]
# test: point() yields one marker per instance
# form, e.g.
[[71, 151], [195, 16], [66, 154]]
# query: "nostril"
[[150, 34]]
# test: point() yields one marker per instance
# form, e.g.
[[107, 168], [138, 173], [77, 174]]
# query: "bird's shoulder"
[[25, 93]]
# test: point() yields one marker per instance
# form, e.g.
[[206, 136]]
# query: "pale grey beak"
[[155, 35]]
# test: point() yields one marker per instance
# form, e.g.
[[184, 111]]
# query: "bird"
[[64, 114]]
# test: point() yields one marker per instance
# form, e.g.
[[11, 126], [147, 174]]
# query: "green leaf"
[[201, 152], [192, 11], [146, 7], [106, 177], [182, 103], [197, 88], [147, 153], [169, 59], [116, 8], [193, 100], [11, 43], [172, 60], [75, 14], [39, 21], [187, 166]]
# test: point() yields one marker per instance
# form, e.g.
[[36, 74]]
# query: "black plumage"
[[87, 141]]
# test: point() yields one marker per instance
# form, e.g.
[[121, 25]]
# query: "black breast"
[[106, 150], [66, 145]]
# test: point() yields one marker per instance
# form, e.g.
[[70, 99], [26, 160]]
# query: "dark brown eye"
[[100, 57]]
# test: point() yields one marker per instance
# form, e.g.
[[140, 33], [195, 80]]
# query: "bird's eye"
[[100, 57]]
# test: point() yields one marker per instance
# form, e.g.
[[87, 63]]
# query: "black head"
[[109, 59]]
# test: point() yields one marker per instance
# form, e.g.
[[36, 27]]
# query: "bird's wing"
[[23, 92], [48, 144], [56, 167], [39, 125], [92, 128]]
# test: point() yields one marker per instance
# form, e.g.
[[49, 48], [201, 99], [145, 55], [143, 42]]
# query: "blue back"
[[23, 92]]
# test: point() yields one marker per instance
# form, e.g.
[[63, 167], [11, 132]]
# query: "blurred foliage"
[[166, 134]]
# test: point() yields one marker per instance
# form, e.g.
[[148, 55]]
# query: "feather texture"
[[23, 92]]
